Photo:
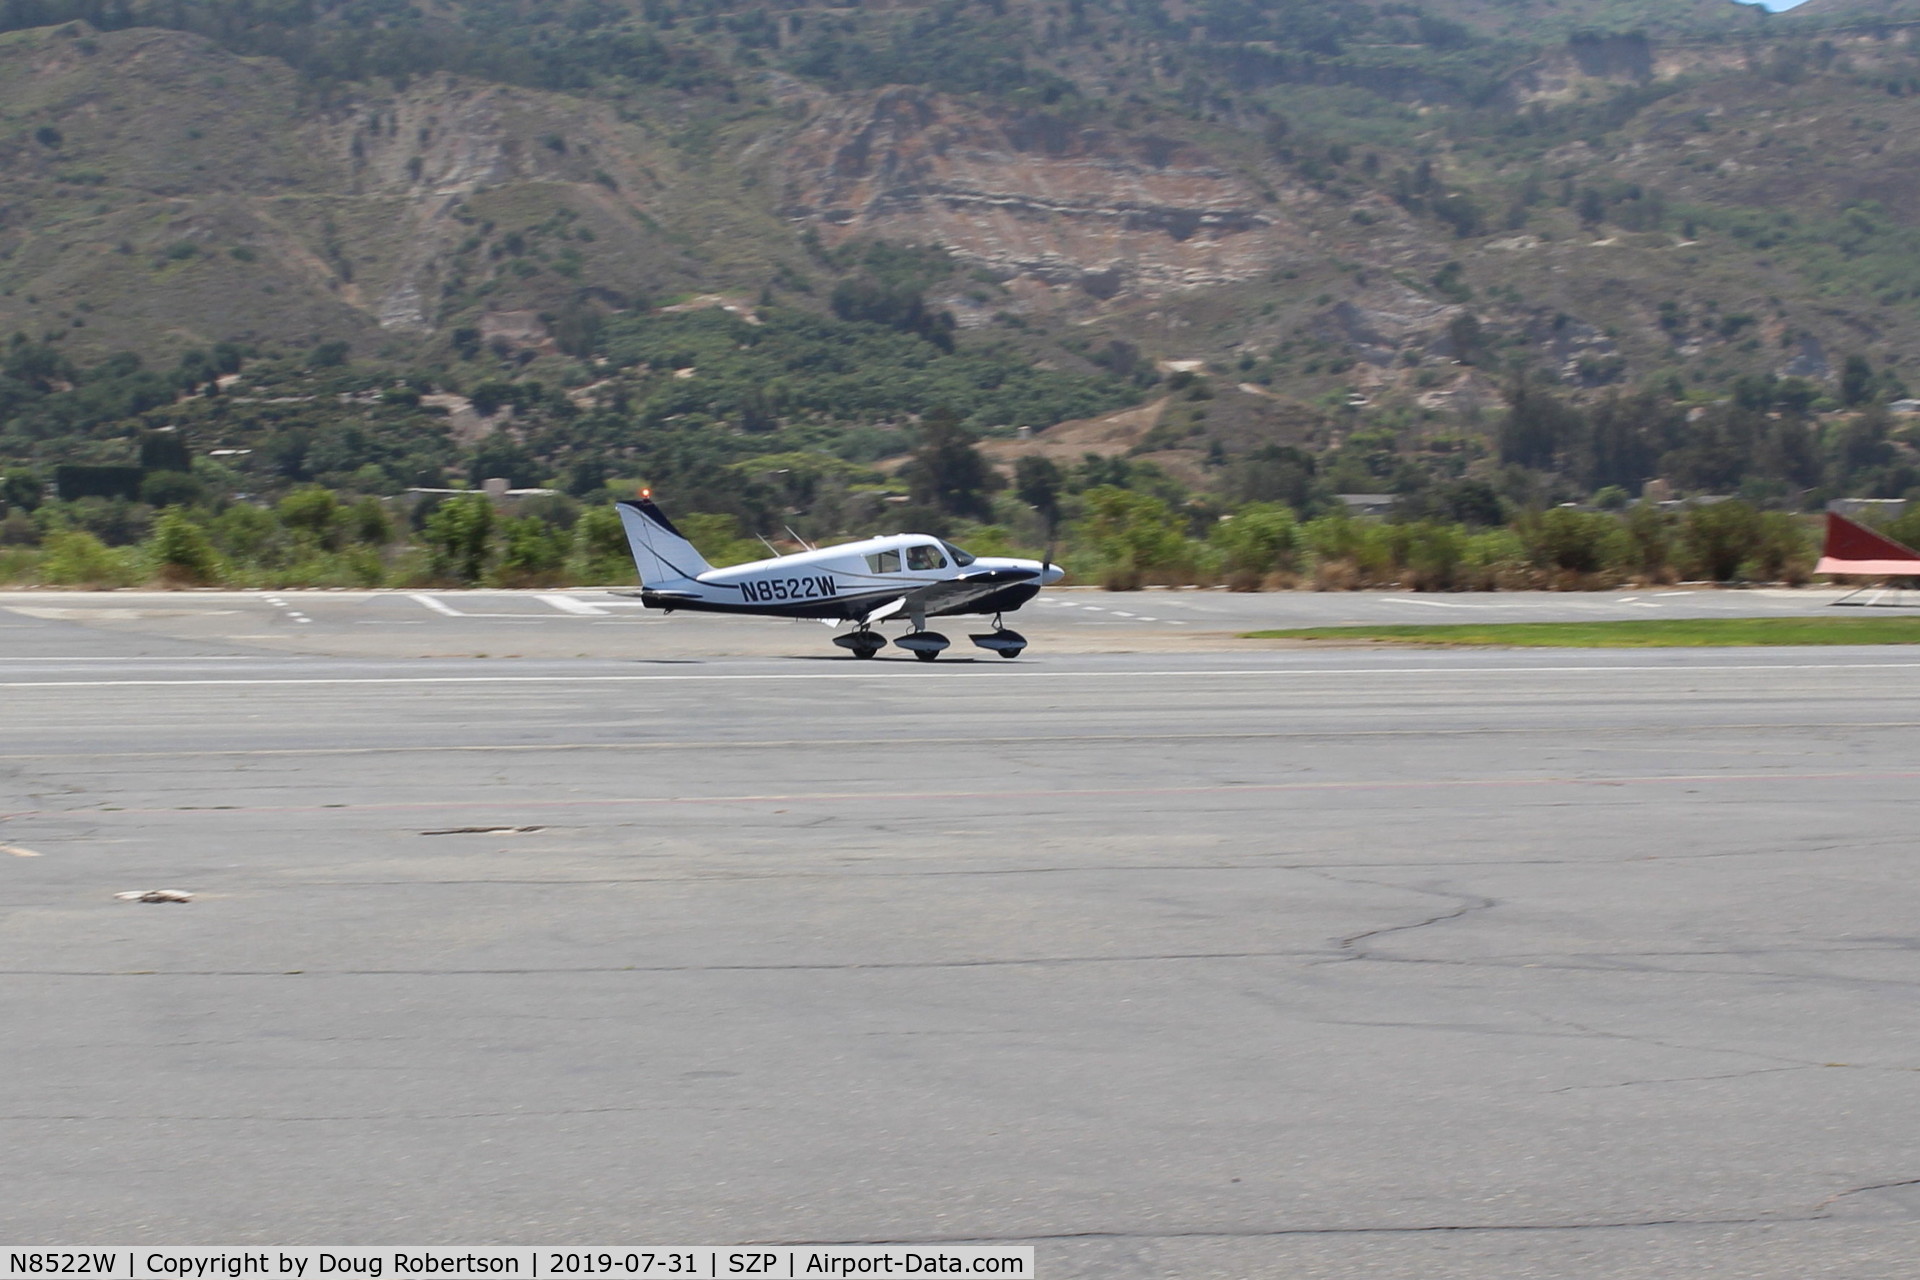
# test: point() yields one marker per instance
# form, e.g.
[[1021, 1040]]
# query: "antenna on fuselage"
[[771, 549], [797, 538]]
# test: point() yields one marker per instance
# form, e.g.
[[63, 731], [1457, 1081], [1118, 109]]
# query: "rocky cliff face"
[[158, 192], [1035, 198]]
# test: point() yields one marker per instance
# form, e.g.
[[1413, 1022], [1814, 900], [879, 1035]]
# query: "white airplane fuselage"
[[916, 575]]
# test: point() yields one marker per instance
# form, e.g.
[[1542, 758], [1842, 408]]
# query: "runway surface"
[[1294, 964], [599, 623]]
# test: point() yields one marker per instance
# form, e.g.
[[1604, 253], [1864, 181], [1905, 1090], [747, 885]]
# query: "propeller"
[[1046, 557]]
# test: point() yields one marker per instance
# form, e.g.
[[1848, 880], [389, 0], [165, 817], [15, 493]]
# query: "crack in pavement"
[[1350, 945], [1838, 1196], [1600, 1034]]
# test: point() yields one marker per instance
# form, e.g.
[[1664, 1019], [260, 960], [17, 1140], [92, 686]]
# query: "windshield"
[[959, 557]]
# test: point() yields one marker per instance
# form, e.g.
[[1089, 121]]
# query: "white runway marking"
[[17, 851], [436, 605], [1442, 604], [568, 604], [957, 671]]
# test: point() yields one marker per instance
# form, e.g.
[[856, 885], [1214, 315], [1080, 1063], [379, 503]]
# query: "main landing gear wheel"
[[924, 645], [861, 643]]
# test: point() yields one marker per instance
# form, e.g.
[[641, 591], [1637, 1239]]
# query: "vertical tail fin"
[[661, 552]]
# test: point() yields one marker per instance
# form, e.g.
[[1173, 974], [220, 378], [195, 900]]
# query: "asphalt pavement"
[[1173, 961], [588, 623]]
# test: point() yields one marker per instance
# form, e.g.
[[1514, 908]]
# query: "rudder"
[[661, 552]]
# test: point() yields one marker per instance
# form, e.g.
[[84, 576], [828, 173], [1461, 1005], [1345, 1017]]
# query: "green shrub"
[[180, 552], [19, 565], [1135, 538], [459, 538], [1719, 538], [1783, 551], [249, 535], [1495, 560], [1257, 541], [77, 559], [1578, 542], [1435, 555], [533, 552], [1651, 532], [314, 515], [600, 553], [1335, 536]]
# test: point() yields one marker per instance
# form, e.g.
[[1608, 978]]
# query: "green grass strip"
[[1652, 633]]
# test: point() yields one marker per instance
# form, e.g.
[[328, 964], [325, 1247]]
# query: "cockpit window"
[[925, 556], [884, 562], [960, 557]]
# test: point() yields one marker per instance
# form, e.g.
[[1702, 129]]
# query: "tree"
[[1857, 383], [165, 450], [170, 489], [500, 455], [947, 472], [1037, 482], [1273, 473], [329, 355], [1592, 208], [20, 490], [368, 522], [313, 514], [459, 537], [1537, 426]]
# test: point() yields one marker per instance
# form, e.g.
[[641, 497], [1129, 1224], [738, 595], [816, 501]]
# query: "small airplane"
[[908, 575]]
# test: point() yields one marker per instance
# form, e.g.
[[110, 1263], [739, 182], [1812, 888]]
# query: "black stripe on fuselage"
[[848, 607]]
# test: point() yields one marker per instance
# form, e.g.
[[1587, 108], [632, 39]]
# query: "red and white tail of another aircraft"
[[1852, 548], [910, 576]]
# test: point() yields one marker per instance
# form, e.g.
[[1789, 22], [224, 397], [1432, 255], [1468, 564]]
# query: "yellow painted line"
[[17, 851]]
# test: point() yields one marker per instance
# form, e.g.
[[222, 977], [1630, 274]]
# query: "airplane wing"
[[954, 594]]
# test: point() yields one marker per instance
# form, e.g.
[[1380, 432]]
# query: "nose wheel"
[[924, 645], [1008, 644]]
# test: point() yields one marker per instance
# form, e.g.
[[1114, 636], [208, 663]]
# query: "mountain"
[[1324, 202]]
